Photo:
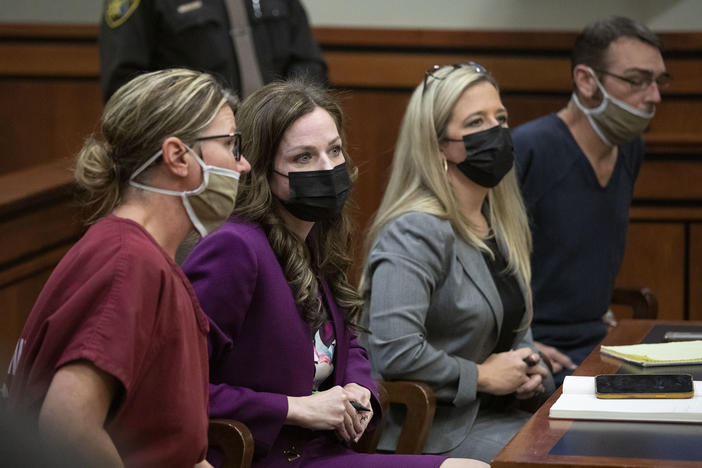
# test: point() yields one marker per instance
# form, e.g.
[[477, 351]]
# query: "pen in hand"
[[359, 407], [530, 361]]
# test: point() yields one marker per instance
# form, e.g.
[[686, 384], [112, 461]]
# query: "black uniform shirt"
[[148, 35]]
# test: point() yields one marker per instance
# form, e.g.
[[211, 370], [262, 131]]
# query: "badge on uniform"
[[118, 11], [188, 7]]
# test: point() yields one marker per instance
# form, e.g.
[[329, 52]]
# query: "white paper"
[[578, 401]]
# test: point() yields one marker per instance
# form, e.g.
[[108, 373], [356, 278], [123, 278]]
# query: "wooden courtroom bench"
[[39, 222]]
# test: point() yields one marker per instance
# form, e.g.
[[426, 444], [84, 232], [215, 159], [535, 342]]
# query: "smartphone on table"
[[644, 386]]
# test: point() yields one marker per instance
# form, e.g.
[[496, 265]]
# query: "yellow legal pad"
[[658, 354]]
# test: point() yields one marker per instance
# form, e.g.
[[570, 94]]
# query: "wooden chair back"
[[643, 302], [236, 443], [234, 440], [420, 403]]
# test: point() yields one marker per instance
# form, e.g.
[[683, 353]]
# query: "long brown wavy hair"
[[263, 118]]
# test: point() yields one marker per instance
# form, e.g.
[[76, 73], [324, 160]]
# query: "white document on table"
[[578, 401]]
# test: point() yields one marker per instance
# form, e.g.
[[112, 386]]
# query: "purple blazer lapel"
[[342, 339]]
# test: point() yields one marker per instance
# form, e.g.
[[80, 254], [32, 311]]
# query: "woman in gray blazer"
[[447, 269]]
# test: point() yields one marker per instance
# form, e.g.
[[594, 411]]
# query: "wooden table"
[[566, 442]]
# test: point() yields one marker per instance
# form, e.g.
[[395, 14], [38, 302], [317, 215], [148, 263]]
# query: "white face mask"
[[613, 120], [207, 206]]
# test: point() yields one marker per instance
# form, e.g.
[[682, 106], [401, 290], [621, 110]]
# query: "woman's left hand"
[[358, 419]]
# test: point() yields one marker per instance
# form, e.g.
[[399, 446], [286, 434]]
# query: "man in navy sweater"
[[577, 169]]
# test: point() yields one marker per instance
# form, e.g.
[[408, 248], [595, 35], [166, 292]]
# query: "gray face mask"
[[613, 120]]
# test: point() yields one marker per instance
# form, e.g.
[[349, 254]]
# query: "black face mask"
[[489, 156], [317, 195]]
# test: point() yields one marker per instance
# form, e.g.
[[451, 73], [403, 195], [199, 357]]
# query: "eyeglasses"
[[642, 80], [477, 68], [236, 149]]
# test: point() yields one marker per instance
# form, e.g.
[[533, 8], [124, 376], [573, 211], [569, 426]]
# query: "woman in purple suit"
[[273, 281]]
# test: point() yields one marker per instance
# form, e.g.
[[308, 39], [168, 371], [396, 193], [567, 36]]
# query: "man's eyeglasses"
[[642, 80], [236, 149], [477, 68]]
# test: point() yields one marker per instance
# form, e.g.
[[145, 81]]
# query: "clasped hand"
[[504, 373], [332, 410]]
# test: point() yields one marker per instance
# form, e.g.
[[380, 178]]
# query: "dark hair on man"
[[592, 43]]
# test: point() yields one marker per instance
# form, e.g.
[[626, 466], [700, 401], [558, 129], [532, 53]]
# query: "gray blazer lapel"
[[477, 271]]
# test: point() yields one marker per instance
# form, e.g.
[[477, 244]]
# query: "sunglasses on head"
[[432, 72]]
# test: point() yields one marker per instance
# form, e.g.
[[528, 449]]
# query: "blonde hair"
[[135, 122], [263, 119], [418, 179]]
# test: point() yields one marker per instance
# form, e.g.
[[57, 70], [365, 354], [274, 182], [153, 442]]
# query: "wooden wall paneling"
[[680, 214], [37, 230], [686, 73], [655, 258], [551, 41], [371, 142], [663, 179], [49, 59], [695, 272], [677, 126], [48, 31], [39, 220], [406, 70], [50, 97], [34, 50], [448, 39], [21, 189], [523, 107], [675, 45], [46, 119]]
